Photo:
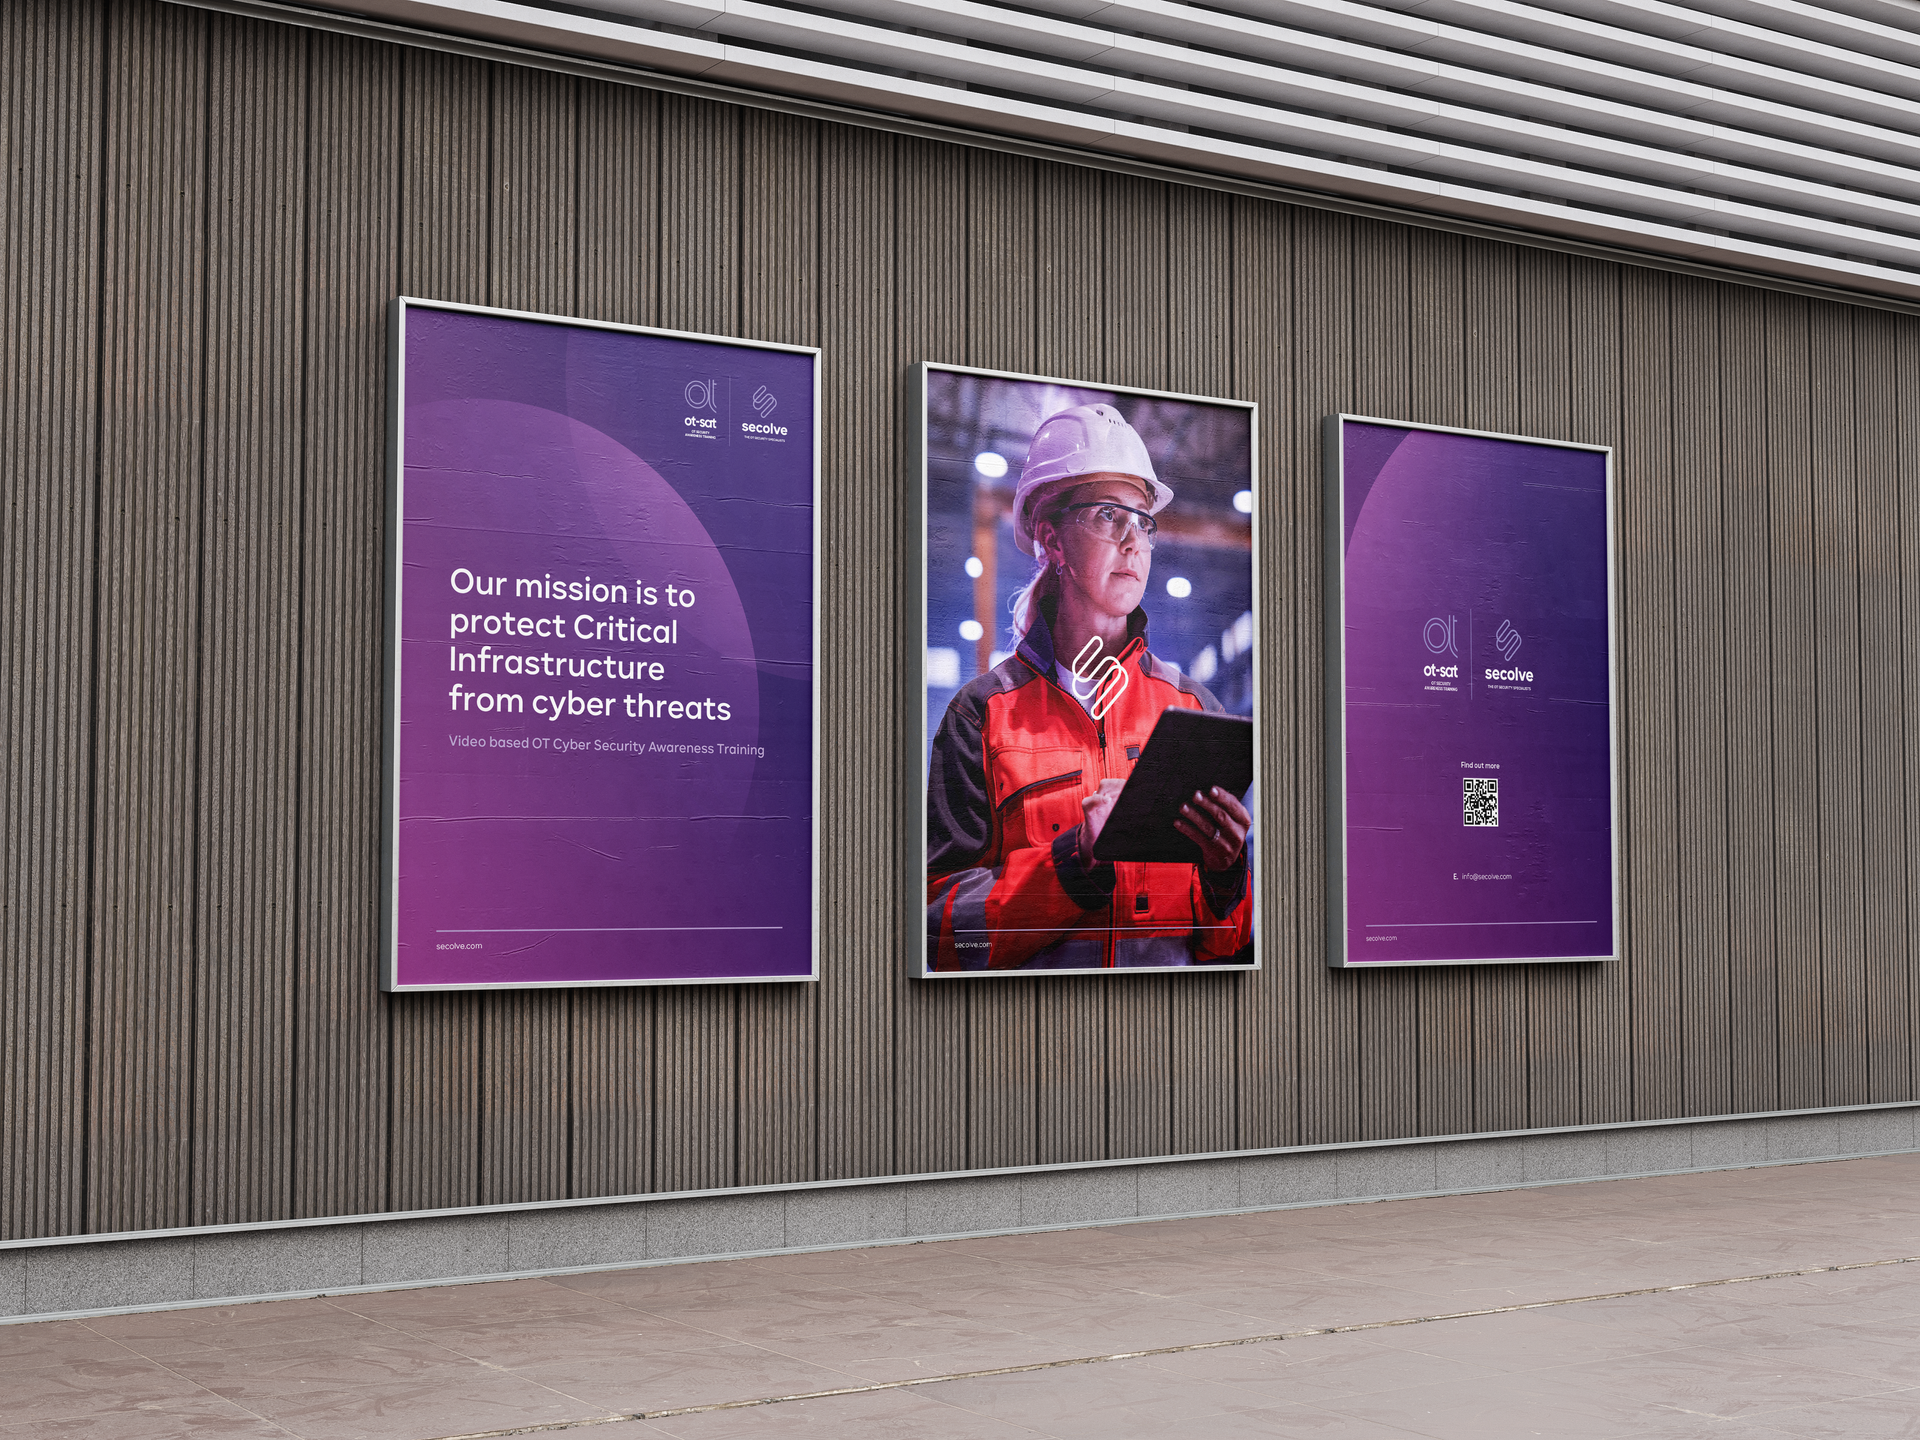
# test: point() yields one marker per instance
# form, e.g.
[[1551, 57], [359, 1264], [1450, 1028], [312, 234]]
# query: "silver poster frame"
[[1334, 512], [398, 310], [916, 670]]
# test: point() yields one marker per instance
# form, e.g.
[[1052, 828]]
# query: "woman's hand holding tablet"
[[1183, 789]]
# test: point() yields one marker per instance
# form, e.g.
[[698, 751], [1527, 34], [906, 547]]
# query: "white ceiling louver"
[[1766, 135]]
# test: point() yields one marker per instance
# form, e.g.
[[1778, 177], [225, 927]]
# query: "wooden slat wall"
[[151, 411], [250, 618], [1545, 365], [1322, 285], [1267, 1044], [442, 203], [1795, 696], [1436, 300], [1747, 739], [340, 1029], [1068, 332], [1383, 384], [617, 277], [1883, 776], [1905, 374], [1699, 522], [1652, 780], [51, 129], [932, 1044], [207, 216], [860, 967]]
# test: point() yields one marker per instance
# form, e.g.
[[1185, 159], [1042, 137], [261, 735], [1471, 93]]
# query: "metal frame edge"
[[1335, 670], [390, 810], [923, 369]]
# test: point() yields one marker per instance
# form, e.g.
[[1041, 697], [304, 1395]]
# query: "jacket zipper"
[[1100, 735], [1100, 732]]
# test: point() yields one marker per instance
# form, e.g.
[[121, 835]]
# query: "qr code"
[[1481, 803]]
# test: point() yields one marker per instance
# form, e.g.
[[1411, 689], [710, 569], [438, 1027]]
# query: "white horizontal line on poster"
[[1449, 924], [1043, 930], [608, 929]]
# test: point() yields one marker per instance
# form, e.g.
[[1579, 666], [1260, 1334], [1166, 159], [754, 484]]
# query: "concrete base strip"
[[1275, 1338], [73, 1277]]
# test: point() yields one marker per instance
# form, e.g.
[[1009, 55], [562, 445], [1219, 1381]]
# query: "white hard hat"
[[1086, 440]]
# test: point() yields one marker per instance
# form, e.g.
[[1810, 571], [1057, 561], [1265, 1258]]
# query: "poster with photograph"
[[1090, 677], [1472, 783], [601, 637]]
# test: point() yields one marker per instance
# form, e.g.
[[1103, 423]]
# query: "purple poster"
[[601, 704], [1471, 746]]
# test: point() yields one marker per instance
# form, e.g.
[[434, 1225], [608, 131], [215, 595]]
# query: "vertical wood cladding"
[[445, 200], [51, 129], [1267, 1063], [341, 1131], [1876, 420], [931, 1045], [246, 800], [206, 219], [1745, 746], [1702, 809], [147, 848]]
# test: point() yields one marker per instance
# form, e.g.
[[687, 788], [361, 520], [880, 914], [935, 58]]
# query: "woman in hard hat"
[[1031, 755]]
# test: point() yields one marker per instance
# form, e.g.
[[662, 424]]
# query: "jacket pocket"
[[1037, 793]]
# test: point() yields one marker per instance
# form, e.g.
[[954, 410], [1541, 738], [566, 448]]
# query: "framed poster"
[[1089, 566], [1472, 714], [602, 720]]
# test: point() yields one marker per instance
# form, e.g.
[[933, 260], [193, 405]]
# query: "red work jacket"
[[1006, 886]]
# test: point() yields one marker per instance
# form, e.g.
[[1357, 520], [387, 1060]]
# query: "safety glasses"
[[1111, 521]]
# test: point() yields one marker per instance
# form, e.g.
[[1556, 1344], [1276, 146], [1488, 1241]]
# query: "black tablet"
[[1188, 750]]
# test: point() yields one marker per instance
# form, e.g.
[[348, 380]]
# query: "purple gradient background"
[[1485, 530], [523, 457]]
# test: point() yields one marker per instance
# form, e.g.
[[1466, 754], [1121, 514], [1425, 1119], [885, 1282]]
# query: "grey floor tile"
[[1118, 1398], [292, 1368], [888, 1415], [314, 1323], [670, 1381], [417, 1409], [1894, 1416], [192, 1418]]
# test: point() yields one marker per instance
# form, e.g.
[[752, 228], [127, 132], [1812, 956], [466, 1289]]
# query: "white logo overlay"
[[1442, 635], [764, 403], [1105, 678], [699, 394], [1507, 641]]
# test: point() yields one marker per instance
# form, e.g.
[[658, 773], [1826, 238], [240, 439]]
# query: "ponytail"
[[1027, 600]]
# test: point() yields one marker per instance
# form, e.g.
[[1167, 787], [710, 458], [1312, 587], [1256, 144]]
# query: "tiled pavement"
[[1833, 1354]]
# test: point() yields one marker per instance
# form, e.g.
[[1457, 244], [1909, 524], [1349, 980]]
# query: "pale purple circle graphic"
[[580, 864]]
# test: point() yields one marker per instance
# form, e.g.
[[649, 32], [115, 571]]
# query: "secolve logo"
[[764, 404]]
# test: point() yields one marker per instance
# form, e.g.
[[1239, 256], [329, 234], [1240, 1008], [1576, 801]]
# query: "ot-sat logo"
[[699, 394], [1442, 635]]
